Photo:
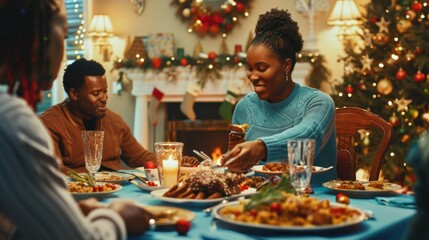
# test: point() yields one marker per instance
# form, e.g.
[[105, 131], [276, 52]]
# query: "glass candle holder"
[[169, 159]]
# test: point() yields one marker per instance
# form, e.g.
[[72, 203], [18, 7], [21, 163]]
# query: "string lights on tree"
[[389, 75]]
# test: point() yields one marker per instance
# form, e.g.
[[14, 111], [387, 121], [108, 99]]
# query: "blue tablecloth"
[[389, 223]]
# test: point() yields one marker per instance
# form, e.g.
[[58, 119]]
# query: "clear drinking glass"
[[93, 150], [169, 160], [300, 156]]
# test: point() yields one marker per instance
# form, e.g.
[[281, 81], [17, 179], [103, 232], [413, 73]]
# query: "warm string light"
[[79, 35]]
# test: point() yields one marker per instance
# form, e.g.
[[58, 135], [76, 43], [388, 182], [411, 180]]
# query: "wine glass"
[[93, 150], [300, 156]]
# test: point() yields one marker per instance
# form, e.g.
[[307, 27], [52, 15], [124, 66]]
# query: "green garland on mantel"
[[209, 68]]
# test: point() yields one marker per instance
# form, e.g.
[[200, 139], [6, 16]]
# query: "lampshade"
[[101, 26], [345, 13]]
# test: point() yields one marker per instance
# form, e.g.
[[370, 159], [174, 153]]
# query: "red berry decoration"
[[401, 74], [183, 226], [341, 198], [156, 62], [419, 76], [350, 89], [239, 6], [416, 6], [373, 19], [184, 62], [212, 55]]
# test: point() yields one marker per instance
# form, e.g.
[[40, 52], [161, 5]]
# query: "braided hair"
[[277, 31], [24, 42]]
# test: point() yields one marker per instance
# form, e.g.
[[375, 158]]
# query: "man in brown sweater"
[[85, 109]]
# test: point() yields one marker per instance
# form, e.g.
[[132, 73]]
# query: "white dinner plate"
[[112, 177], [142, 186], [245, 225], [168, 216], [98, 195], [158, 194], [388, 189], [317, 169]]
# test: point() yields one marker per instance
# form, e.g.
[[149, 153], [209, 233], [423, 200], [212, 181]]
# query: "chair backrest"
[[348, 121]]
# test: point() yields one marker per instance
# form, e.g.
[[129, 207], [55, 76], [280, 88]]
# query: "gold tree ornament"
[[425, 117], [383, 25], [385, 87], [402, 104]]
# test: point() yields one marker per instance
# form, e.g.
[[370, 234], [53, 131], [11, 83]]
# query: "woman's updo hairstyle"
[[278, 32]]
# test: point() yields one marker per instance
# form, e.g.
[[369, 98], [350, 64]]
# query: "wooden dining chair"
[[348, 121]]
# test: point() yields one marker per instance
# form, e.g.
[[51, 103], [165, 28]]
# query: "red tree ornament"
[[350, 89], [394, 120], [416, 6], [373, 19], [418, 50], [362, 85], [419, 76], [401, 74]]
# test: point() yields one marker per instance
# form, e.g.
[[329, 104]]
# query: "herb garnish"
[[271, 193], [81, 177]]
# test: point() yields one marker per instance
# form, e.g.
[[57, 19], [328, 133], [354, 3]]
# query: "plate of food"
[[112, 177], [146, 186], [81, 190], [205, 187], [278, 168], [320, 215], [168, 216], [363, 189], [199, 200]]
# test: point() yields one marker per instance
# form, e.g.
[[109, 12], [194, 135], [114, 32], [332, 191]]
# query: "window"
[[74, 43]]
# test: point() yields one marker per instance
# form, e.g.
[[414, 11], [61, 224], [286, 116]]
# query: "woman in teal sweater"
[[280, 109]]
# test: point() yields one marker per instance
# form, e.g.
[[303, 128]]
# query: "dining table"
[[388, 222]]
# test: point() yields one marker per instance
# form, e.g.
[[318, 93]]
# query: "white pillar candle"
[[170, 171]]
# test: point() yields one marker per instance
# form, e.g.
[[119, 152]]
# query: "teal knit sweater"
[[306, 113]]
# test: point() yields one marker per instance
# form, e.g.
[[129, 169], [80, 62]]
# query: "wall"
[[160, 16]]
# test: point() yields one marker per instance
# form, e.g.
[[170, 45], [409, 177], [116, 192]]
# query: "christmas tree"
[[387, 73]]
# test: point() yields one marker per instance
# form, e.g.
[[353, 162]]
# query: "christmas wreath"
[[207, 19]]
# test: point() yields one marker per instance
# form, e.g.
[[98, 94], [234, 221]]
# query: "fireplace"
[[209, 133], [210, 98]]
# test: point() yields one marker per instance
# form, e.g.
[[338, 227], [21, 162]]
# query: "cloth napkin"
[[403, 200]]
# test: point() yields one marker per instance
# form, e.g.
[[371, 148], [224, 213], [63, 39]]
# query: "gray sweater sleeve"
[[34, 194]]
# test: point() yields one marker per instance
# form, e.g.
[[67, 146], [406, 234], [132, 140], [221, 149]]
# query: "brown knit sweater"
[[119, 143]]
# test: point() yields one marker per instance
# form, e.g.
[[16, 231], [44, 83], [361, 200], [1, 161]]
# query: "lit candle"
[[170, 171]]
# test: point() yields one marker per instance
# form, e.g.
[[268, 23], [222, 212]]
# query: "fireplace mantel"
[[174, 86]]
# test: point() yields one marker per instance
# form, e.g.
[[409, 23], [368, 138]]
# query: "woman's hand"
[[136, 218], [244, 156]]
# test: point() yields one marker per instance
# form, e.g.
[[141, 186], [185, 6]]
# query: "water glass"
[[169, 159], [93, 150], [300, 156]]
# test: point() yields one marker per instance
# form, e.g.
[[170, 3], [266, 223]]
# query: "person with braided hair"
[[34, 201], [280, 109]]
